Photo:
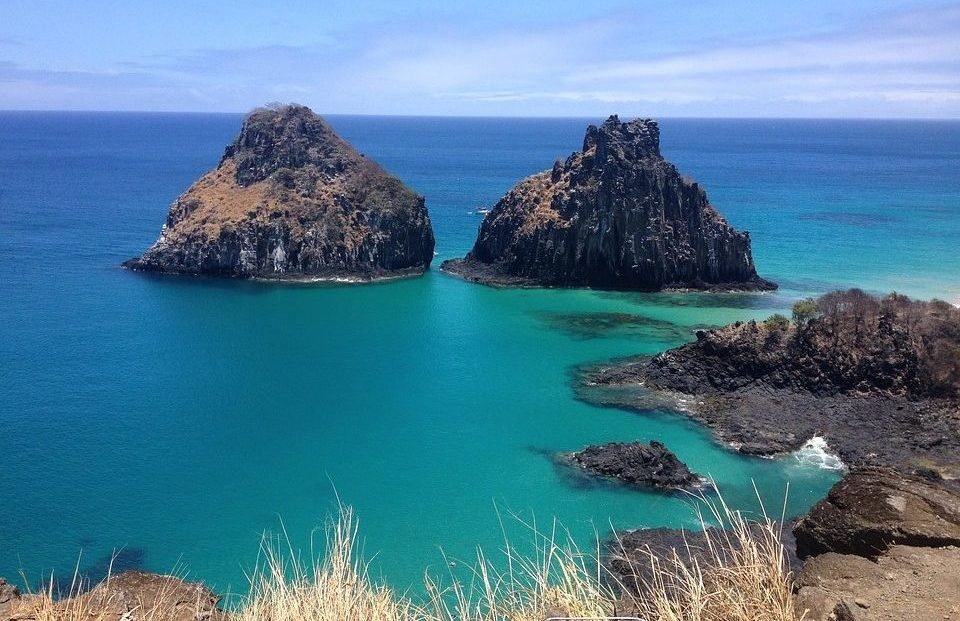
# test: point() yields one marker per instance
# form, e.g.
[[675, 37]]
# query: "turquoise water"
[[178, 418]]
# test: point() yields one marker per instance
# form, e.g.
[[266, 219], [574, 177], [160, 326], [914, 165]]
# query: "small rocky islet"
[[638, 464], [291, 200], [615, 215]]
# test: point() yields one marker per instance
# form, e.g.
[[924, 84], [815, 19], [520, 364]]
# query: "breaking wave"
[[816, 452]]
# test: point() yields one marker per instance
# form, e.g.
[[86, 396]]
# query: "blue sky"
[[837, 58]]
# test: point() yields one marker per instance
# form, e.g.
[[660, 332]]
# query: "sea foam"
[[816, 452]]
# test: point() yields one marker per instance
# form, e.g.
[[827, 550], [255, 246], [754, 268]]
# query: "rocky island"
[[615, 215], [291, 200], [639, 464]]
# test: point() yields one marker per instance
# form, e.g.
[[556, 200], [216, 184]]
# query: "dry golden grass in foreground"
[[337, 587], [740, 575]]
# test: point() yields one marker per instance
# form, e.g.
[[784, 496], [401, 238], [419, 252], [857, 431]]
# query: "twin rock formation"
[[291, 200]]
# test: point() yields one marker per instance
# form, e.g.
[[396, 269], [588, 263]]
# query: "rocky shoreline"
[[863, 383], [879, 379]]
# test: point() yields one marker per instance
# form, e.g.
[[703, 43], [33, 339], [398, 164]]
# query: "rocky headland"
[[879, 379], [291, 200], [883, 545], [639, 464], [615, 215]]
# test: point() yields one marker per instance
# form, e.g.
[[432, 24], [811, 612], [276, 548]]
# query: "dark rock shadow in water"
[[734, 300], [609, 324], [90, 575], [849, 219]]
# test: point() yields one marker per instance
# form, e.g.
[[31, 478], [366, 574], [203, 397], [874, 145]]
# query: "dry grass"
[[337, 587], [333, 588], [742, 576]]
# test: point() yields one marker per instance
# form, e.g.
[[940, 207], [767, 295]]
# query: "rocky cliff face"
[[615, 215], [291, 200]]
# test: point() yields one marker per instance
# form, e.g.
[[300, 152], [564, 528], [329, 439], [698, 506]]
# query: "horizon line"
[[485, 116]]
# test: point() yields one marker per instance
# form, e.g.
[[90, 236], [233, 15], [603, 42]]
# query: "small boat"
[[483, 212]]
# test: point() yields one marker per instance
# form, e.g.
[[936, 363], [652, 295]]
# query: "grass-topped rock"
[[291, 200]]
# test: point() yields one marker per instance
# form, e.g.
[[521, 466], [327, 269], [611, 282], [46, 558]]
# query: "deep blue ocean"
[[175, 419]]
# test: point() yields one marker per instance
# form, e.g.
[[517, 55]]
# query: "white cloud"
[[899, 64]]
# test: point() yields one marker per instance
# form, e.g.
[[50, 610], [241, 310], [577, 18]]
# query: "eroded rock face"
[[615, 215], [292, 200], [872, 509], [638, 464]]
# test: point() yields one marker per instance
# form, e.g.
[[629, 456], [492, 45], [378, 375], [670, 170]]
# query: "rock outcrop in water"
[[292, 200], [638, 464], [615, 215]]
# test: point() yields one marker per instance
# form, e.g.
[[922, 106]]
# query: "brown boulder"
[[872, 509]]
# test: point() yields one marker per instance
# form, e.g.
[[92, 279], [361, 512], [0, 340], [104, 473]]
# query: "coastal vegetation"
[[743, 576]]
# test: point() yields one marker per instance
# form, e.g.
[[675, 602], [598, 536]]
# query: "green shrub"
[[776, 322], [805, 310]]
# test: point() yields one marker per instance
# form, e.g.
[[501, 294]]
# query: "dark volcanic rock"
[[877, 378], [636, 463], [291, 200], [615, 215], [874, 508]]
